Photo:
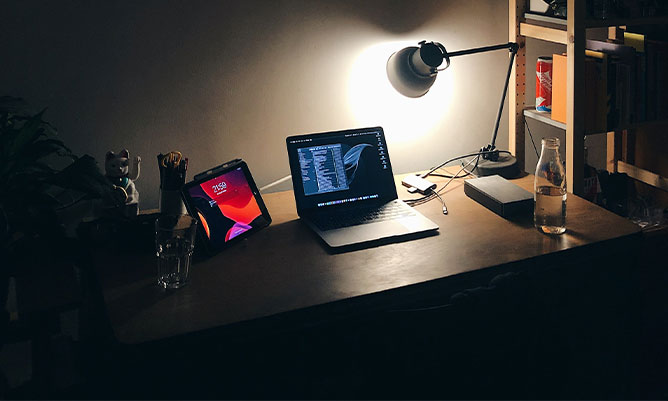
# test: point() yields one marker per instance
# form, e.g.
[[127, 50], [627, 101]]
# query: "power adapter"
[[420, 184]]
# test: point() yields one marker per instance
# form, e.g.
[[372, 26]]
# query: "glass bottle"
[[550, 190]]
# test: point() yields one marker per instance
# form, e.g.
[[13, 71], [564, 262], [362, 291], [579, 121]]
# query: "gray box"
[[499, 195]]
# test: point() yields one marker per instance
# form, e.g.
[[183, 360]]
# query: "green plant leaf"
[[36, 151], [27, 182], [24, 177], [83, 175], [29, 132], [25, 139], [7, 136]]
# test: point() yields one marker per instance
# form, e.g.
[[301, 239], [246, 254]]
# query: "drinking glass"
[[174, 243]]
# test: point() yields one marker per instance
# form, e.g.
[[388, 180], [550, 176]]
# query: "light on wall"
[[373, 101]]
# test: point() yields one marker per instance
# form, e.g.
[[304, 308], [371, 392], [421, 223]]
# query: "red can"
[[544, 84]]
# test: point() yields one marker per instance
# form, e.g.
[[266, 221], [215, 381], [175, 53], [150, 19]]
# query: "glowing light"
[[373, 101]]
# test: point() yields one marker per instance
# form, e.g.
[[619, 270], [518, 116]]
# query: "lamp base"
[[506, 166]]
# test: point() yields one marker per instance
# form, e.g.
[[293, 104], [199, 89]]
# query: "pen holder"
[[171, 203]]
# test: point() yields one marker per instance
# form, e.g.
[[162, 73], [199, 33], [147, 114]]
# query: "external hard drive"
[[499, 195]]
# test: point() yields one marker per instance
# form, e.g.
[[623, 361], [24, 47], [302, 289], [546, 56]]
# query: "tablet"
[[226, 203]]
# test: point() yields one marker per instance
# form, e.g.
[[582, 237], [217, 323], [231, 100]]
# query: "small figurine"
[[117, 168]]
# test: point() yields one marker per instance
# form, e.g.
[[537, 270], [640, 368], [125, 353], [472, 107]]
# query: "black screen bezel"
[[223, 169]]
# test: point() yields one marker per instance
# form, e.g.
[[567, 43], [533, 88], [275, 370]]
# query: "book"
[[624, 52], [641, 86], [623, 93], [637, 41], [649, 84], [608, 105], [598, 72], [622, 62], [650, 79], [594, 100], [559, 79], [661, 81]]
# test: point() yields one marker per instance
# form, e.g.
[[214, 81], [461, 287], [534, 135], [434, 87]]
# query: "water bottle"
[[549, 186]]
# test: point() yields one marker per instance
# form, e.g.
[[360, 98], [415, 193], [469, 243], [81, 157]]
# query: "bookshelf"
[[543, 116], [572, 34]]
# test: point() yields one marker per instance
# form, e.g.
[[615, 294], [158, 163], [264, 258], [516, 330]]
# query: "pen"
[[173, 167]]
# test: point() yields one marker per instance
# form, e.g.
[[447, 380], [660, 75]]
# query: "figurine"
[[117, 170]]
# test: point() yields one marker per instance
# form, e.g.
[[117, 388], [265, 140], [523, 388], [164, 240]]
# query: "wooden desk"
[[283, 275]]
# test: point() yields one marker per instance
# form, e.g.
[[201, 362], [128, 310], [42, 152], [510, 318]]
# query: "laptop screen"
[[333, 169]]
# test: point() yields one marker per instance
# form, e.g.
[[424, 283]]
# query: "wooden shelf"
[[545, 18], [654, 124], [643, 175], [559, 34], [596, 23], [571, 32], [538, 20], [543, 33], [544, 117], [651, 125]]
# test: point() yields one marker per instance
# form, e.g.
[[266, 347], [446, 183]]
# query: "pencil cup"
[[171, 203]]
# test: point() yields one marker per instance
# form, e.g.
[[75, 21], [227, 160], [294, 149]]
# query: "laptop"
[[345, 190]]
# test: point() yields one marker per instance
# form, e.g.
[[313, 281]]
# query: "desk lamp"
[[412, 71]]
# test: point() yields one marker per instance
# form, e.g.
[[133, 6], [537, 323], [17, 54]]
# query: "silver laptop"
[[345, 190]]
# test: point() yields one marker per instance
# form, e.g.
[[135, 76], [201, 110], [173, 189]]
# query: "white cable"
[[455, 176], [445, 208], [435, 192], [271, 184]]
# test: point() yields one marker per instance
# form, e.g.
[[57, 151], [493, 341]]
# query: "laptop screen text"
[[322, 169]]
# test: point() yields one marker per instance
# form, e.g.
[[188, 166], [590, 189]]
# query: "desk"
[[283, 275]]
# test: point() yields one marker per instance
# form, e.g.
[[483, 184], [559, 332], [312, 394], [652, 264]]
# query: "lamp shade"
[[412, 70]]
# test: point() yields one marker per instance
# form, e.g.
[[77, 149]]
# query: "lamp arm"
[[512, 46], [490, 150], [513, 52]]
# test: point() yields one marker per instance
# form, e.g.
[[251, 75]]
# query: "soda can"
[[544, 84]]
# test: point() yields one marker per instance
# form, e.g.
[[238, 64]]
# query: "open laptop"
[[345, 190]]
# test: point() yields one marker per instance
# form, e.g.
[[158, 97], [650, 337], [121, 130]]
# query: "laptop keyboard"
[[389, 211]]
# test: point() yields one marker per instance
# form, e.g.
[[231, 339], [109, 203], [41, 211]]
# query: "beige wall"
[[224, 79]]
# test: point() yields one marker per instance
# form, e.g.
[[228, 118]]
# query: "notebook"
[[345, 190]]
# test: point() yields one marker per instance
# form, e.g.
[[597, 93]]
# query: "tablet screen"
[[226, 207]]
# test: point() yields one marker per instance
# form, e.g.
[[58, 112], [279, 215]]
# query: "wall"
[[224, 79]]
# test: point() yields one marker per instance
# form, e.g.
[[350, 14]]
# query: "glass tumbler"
[[174, 243]]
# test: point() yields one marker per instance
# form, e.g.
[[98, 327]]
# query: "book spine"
[[600, 93], [662, 81], [591, 95], [641, 86], [651, 92], [611, 95]]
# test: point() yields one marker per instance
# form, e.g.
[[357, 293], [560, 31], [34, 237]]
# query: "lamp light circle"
[[372, 99]]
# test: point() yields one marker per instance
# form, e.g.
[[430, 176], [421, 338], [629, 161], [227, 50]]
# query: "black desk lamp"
[[412, 71]]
